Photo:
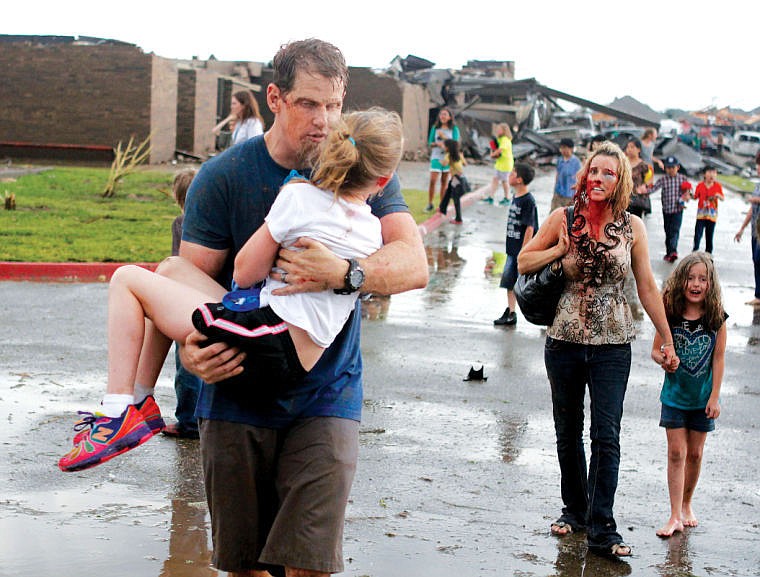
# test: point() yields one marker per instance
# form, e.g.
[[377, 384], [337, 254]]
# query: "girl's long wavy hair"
[[674, 290], [622, 193], [364, 147]]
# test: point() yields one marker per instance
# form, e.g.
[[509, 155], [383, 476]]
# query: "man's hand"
[[213, 363], [313, 269]]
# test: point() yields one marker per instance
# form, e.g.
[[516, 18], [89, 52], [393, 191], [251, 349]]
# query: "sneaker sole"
[[122, 446]]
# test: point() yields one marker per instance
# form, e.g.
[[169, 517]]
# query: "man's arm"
[[400, 265]]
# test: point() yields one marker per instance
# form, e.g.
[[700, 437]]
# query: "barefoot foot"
[[669, 528], [688, 517]]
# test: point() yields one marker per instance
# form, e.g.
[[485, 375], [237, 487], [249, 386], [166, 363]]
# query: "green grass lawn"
[[737, 183], [61, 216]]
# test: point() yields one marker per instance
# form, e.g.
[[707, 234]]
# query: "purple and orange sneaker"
[[148, 409], [106, 438]]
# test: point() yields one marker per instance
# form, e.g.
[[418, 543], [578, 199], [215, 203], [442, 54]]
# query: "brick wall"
[[186, 110], [71, 94], [163, 109]]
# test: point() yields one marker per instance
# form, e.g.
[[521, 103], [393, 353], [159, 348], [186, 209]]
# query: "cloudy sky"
[[665, 53]]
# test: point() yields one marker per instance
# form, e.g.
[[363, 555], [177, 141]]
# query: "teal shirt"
[[689, 388]]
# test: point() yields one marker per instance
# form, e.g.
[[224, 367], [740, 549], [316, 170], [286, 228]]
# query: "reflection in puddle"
[[189, 546], [677, 562], [573, 560]]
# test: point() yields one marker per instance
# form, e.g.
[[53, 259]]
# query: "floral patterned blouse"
[[593, 309]]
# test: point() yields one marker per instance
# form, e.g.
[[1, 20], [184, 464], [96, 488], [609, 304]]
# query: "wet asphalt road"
[[454, 477]]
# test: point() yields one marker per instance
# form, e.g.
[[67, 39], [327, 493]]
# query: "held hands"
[[666, 357], [313, 269], [214, 363], [713, 408]]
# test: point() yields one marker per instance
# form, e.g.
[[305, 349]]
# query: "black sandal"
[[614, 551]]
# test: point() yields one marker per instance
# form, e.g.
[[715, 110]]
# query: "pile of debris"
[[484, 93]]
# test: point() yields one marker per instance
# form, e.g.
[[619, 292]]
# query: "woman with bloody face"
[[589, 342]]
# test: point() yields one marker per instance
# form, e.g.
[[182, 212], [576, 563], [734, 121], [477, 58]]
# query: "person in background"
[[690, 396], [568, 166], [245, 120], [589, 342], [522, 223], [505, 160], [443, 130], [708, 193], [186, 385], [676, 190], [753, 216], [456, 162], [641, 173], [248, 119], [595, 141], [648, 143]]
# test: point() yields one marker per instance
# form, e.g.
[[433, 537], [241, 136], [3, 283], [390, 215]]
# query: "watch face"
[[356, 278]]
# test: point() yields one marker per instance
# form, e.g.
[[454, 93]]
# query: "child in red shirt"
[[708, 193]]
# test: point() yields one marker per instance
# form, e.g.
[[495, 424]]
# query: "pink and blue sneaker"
[[106, 438]]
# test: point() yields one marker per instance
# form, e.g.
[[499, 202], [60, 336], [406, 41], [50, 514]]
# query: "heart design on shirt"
[[695, 350]]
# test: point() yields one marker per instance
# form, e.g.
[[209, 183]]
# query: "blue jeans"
[[588, 494], [672, 225], [708, 228], [756, 263], [187, 387]]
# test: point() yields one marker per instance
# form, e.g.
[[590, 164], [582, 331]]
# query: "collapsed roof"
[[485, 92]]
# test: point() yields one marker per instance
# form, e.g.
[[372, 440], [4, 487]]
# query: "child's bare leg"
[[505, 186], [134, 294], [155, 344], [676, 463], [431, 186], [695, 442], [511, 300], [444, 184]]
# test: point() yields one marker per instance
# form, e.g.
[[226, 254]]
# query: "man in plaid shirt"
[[675, 192]]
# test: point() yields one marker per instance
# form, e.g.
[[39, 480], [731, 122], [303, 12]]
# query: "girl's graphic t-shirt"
[[689, 388]]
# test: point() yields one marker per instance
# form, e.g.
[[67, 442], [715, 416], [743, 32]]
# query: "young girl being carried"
[[690, 394], [288, 334]]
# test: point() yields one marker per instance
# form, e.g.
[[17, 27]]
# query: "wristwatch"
[[353, 280]]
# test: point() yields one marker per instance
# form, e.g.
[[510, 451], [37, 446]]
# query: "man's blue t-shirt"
[[227, 201]]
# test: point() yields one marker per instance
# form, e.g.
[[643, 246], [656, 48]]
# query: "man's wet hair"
[[525, 172], [311, 55]]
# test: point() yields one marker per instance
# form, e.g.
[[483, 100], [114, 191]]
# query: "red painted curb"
[[63, 271], [438, 219]]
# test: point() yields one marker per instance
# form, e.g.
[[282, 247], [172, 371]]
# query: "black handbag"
[[641, 202], [538, 293]]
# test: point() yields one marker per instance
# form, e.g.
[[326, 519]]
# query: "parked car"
[[746, 143]]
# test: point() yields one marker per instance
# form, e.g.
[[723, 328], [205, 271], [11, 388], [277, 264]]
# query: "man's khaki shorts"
[[278, 497]]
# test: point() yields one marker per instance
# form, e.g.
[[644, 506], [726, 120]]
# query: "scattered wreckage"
[[483, 93]]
